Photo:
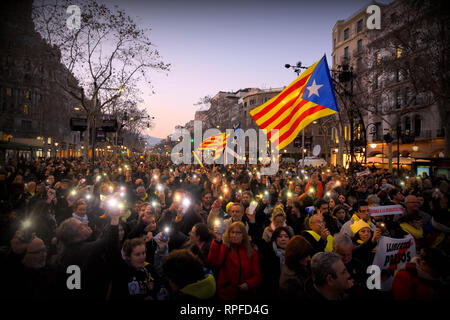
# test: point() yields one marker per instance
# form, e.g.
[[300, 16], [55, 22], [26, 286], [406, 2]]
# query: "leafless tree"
[[108, 53]]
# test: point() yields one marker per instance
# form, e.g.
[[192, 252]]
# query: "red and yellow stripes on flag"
[[288, 112], [216, 143]]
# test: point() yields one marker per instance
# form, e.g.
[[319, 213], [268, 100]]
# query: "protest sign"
[[363, 173], [386, 210], [391, 256]]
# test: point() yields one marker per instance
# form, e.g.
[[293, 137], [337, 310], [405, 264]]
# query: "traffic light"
[[192, 140]]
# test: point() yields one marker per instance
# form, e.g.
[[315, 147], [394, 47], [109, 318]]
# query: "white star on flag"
[[314, 89]]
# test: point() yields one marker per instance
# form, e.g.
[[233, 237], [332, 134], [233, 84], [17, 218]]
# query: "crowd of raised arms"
[[152, 230]]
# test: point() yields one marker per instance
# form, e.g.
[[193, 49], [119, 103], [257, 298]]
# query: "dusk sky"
[[229, 45]]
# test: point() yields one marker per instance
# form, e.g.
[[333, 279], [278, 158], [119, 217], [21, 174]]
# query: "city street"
[[229, 158]]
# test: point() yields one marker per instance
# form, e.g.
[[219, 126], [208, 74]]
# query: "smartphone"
[[266, 196], [252, 207], [219, 224], [232, 182]]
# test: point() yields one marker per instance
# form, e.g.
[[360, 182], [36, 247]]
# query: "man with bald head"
[[413, 208], [318, 236], [30, 278]]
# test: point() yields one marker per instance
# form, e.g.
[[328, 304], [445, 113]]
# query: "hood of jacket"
[[202, 289]]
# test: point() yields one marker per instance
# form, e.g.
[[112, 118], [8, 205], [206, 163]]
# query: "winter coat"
[[131, 284], [408, 285], [91, 257], [270, 269], [292, 282], [235, 268], [318, 244]]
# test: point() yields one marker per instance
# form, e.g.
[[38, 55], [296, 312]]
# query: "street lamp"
[[373, 145], [415, 148]]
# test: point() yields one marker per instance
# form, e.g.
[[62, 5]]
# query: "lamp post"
[[297, 69]]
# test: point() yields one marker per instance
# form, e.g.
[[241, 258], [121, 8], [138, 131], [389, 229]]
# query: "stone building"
[[34, 107]]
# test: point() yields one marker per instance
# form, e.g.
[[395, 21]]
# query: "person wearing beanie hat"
[[365, 241]]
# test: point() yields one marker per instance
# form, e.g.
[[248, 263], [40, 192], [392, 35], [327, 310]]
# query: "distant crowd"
[[151, 230]]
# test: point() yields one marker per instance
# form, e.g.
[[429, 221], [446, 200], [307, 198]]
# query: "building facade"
[[34, 106]]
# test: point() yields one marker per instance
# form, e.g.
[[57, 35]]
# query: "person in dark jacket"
[[187, 278], [87, 255], [296, 268], [272, 259], [202, 238], [329, 278], [318, 236], [364, 241], [28, 276], [133, 277], [180, 218]]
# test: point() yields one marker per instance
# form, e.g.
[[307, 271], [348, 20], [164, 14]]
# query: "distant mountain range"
[[152, 140]]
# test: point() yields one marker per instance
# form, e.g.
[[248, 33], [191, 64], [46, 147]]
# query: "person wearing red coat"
[[315, 182], [237, 262], [421, 278]]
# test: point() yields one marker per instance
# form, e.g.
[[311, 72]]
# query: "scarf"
[[81, 219], [416, 233], [279, 252]]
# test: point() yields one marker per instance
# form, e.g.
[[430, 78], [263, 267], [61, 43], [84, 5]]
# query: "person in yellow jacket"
[[318, 236]]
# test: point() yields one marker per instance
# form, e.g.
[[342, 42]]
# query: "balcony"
[[358, 51]]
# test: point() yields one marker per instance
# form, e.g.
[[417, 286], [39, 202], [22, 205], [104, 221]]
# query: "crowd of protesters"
[[151, 230]]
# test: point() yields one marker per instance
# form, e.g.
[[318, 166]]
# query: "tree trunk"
[[87, 138], [390, 156]]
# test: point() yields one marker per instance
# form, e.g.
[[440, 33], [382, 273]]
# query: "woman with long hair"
[[237, 263]]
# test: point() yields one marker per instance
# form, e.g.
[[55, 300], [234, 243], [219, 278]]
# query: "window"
[[49, 140], [9, 92], [398, 52], [27, 65], [359, 64], [334, 60], [26, 109], [397, 76], [417, 125], [252, 102], [408, 96], [398, 99], [407, 125], [334, 43], [360, 45], [346, 52], [359, 25], [27, 94], [346, 33], [377, 132]]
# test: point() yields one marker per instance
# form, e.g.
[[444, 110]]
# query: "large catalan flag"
[[216, 143], [308, 98]]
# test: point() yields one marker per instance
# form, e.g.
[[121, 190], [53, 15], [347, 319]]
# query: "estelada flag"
[[216, 143], [309, 97]]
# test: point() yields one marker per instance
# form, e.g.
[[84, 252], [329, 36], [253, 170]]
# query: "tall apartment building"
[[383, 92], [34, 108]]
